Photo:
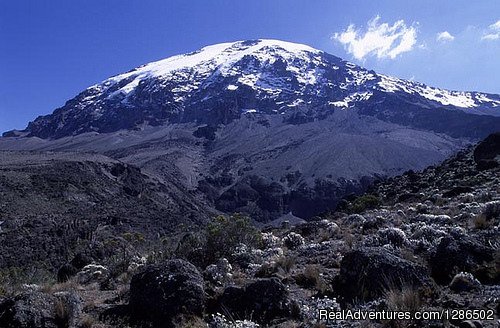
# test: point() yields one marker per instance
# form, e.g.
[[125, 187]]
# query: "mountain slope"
[[221, 82], [52, 202], [264, 127]]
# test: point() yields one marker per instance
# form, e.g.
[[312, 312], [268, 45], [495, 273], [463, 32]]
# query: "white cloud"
[[493, 32], [379, 39], [496, 26], [444, 36], [491, 36]]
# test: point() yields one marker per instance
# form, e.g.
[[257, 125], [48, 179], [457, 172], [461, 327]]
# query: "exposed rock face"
[[160, 293], [366, 273]]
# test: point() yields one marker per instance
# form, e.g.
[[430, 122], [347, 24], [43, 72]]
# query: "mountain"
[[264, 127], [220, 83]]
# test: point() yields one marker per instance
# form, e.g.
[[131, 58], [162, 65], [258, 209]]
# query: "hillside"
[[425, 240]]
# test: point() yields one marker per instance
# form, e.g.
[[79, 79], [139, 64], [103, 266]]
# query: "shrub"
[[224, 234], [394, 236], [293, 240], [363, 203], [12, 278], [191, 247]]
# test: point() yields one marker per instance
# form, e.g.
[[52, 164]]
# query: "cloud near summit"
[[493, 32], [378, 39]]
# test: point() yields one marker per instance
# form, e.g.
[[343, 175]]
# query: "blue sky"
[[51, 50]]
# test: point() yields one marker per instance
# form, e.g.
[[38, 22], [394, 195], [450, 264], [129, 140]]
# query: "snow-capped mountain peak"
[[221, 82], [219, 57]]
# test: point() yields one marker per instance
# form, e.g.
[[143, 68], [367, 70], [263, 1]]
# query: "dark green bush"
[[219, 239], [363, 203], [224, 234]]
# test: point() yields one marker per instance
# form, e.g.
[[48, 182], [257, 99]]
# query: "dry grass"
[[290, 324], [124, 278], [189, 322], [311, 277], [62, 314], [402, 299], [70, 285], [349, 239], [88, 322], [481, 222], [408, 255], [286, 263], [319, 325]]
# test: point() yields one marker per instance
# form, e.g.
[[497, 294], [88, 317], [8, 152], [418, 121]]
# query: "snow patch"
[[350, 100], [444, 97]]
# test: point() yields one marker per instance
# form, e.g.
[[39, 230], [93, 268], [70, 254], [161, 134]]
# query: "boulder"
[[80, 260], [453, 255], [159, 293], [31, 310], [263, 300], [366, 273], [487, 152], [464, 282], [40, 310]]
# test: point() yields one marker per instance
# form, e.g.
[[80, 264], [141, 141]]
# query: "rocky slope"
[[53, 203], [424, 240], [264, 127]]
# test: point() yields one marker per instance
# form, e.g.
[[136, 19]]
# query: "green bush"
[[363, 203], [12, 278], [219, 239], [224, 234]]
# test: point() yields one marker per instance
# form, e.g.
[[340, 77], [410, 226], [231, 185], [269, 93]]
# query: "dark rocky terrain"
[[426, 240], [51, 204]]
